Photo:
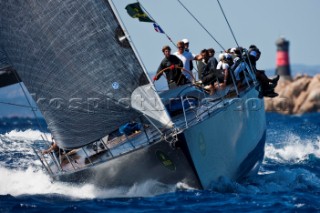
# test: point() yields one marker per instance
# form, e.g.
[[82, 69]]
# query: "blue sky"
[[253, 22]]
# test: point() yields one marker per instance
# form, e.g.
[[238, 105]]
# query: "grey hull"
[[229, 143], [159, 162]]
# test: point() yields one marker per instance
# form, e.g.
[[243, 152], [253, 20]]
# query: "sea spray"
[[31, 182], [294, 150], [288, 179]]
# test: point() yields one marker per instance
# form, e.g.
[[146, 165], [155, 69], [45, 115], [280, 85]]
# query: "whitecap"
[[37, 182]]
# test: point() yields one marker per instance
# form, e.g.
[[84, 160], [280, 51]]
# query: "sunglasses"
[[181, 47]]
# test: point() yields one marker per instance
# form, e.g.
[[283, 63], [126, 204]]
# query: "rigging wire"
[[224, 15], [18, 105], [234, 37], [33, 109], [169, 38], [135, 50], [201, 24]]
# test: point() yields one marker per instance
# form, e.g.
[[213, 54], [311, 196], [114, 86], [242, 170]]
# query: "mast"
[[166, 120]]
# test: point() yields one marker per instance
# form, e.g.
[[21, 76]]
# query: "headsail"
[[73, 57], [8, 75]]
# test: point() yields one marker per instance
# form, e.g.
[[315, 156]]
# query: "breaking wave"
[[291, 165], [22, 173]]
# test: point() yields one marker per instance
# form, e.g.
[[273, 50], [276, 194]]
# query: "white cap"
[[227, 56], [221, 56], [233, 50], [185, 40]]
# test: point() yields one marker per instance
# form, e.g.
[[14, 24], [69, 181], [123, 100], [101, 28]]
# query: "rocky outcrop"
[[301, 95]]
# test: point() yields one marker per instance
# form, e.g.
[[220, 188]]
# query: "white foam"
[[30, 182], [26, 135], [34, 181], [293, 150], [19, 143]]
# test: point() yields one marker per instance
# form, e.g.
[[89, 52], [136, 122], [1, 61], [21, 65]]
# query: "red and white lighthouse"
[[282, 61]]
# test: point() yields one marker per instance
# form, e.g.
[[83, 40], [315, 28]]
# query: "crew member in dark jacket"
[[267, 84], [170, 65]]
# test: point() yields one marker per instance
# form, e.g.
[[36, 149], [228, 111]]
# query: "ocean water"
[[288, 180]]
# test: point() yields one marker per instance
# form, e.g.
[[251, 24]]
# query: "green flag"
[[135, 11]]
